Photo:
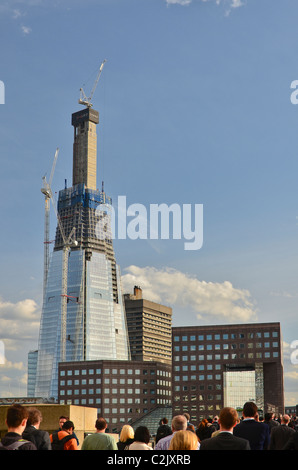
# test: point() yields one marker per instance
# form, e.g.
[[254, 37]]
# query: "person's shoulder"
[[205, 443], [163, 441]]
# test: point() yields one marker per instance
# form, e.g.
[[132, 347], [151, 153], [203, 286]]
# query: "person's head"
[[127, 432], [184, 440], [203, 423], [187, 416], [16, 418], [62, 420], [179, 423], [228, 418], [164, 421], [285, 419], [101, 424], [250, 409], [142, 434], [34, 418], [68, 426], [268, 416]]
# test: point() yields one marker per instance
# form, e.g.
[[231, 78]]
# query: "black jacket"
[[280, 435], [11, 437], [292, 443], [121, 445], [163, 431], [40, 439], [225, 441]]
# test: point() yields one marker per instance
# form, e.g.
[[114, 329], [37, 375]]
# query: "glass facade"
[[95, 324], [239, 387]]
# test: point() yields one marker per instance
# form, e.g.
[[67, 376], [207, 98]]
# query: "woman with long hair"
[[184, 440], [126, 437]]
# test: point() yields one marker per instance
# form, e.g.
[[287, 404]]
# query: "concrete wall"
[[83, 418]]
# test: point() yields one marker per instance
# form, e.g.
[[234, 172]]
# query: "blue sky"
[[195, 108]]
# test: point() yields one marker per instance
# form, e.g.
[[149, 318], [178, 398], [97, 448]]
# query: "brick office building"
[[122, 391], [217, 366]]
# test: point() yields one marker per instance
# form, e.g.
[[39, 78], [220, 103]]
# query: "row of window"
[[218, 357], [195, 398], [76, 372], [108, 381], [218, 346], [186, 378], [113, 391], [218, 336], [97, 401]]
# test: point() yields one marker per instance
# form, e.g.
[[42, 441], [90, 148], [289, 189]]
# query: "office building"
[[122, 391], [227, 365], [149, 327]]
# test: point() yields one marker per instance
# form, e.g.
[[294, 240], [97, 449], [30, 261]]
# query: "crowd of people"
[[225, 432]]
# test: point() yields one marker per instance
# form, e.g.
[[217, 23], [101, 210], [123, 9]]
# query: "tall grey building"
[[83, 316]]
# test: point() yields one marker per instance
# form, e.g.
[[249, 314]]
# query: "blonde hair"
[[127, 432], [184, 440]]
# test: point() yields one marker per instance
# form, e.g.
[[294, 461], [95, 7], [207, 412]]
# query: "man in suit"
[[225, 440], [258, 434], [281, 434], [32, 433]]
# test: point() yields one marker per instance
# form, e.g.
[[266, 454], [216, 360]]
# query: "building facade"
[[227, 365], [122, 391], [83, 315], [149, 328]]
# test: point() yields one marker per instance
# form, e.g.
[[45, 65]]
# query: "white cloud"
[[228, 3], [236, 3], [19, 321], [26, 30], [208, 300], [179, 2], [16, 14]]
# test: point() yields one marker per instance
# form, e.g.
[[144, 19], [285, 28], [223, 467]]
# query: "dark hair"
[[250, 409], [165, 420], [100, 424], [15, 415], [142, 434], [67, 425]]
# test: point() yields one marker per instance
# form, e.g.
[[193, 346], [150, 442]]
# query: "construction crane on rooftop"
[[47, 192], [83, 98]]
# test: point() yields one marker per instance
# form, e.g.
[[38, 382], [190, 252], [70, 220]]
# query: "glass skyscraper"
[[83, 316]]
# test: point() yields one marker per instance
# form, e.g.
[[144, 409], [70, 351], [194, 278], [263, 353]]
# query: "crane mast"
[[47, 192]]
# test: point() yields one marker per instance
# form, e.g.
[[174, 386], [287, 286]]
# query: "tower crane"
[[67, 244], [83, 98], [47, 192]]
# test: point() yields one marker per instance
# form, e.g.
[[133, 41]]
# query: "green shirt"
[[99, 441]]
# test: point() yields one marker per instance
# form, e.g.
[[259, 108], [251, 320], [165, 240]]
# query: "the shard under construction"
[[83, 316]]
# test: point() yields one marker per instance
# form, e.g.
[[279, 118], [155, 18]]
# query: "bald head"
[[179, 423], [285, 419]]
